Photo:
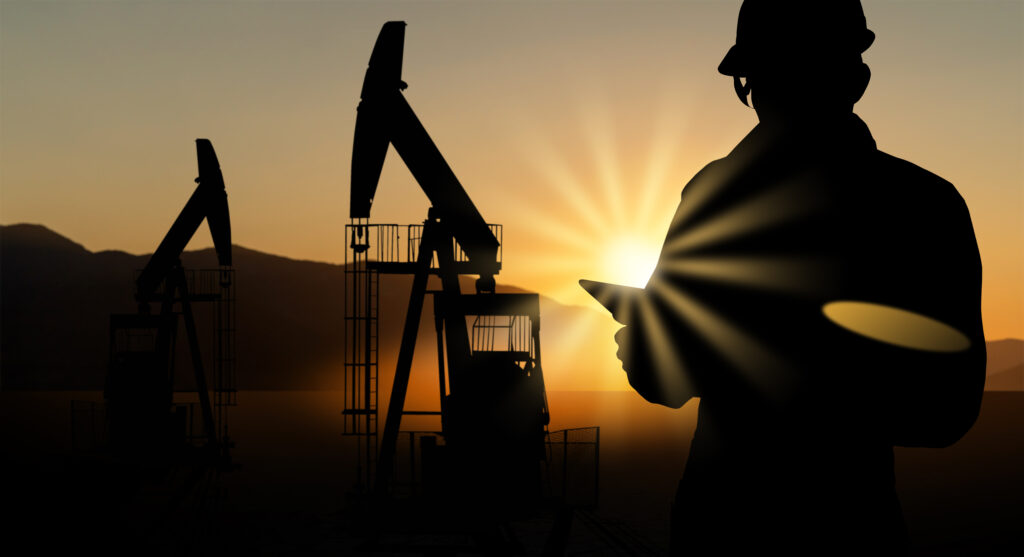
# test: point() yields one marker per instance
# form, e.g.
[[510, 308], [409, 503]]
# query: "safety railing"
[[573, 465], [415, 237], [88, 426]]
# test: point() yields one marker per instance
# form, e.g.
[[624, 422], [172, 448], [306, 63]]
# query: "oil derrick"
[[484, 465], [146, 424], [151, 454]]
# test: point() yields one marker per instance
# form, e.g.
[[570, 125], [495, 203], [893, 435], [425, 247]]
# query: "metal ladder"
[[362, 293], [225, 386]]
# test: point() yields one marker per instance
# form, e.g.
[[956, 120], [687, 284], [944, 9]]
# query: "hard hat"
[[795, 33]]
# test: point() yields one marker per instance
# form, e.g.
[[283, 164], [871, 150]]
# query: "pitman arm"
[[209, 201], [384, 118]]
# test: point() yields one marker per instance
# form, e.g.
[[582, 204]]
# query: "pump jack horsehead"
[[143, 419], [493, 407]]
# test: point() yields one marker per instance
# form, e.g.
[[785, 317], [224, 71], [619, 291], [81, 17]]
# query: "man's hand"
[[658, 382]]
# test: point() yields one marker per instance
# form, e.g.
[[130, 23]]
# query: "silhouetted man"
[[819, 296]]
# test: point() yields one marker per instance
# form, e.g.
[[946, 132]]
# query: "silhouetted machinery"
[[487, 459], [145, 422]]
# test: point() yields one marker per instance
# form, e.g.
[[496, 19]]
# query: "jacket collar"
[[849, 135]]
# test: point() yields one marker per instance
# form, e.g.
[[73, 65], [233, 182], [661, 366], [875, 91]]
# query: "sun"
[[611, 191], [629, 260]]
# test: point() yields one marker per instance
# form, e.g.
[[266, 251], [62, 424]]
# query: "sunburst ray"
[[669, 362], [752, 214], [787, 274], [760, 365]]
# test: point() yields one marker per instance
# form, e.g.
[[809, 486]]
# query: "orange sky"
[[573, 124]]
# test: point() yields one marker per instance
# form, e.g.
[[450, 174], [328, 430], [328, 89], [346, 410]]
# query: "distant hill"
[[1005, 365], [56, 298], [1011, 379], [1004, 355]]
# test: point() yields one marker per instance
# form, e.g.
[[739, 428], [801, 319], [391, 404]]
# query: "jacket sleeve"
[[924, 260], [936, 395]]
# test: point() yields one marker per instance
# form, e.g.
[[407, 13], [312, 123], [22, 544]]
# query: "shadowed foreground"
[[289, 495]]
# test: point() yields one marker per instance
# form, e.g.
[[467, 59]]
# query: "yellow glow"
[[630, 261], [605, 209], [759, 364], [896, 326], [670, 364], [772, 273], [750, 216]]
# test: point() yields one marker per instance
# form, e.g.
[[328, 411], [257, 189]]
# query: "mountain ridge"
[[57, 297]]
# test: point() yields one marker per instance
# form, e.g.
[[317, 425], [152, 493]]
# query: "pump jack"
[[493, 406], [144, 423]]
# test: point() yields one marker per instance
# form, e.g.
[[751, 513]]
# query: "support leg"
[[396, 404], [197, 361]]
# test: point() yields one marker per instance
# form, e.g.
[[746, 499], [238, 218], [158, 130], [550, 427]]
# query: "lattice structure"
[[364, 244], [504, 333], [216, 286], [415, 236], [88, 426]]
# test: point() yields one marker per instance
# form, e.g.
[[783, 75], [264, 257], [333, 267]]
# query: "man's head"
[[800, 58]]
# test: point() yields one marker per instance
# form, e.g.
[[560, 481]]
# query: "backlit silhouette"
[[144, 422], [821, 297], [483, 466]]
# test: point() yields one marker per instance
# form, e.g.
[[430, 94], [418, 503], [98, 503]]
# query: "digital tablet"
[[616, 298]]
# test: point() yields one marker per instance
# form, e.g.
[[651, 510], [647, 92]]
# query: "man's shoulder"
[[714, 169], [917, 182], [910, 171], [714, 173]]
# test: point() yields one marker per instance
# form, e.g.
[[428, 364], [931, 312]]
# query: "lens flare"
[[896, 326]]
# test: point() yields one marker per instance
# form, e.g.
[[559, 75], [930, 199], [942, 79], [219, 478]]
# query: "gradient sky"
[[574, 124]]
